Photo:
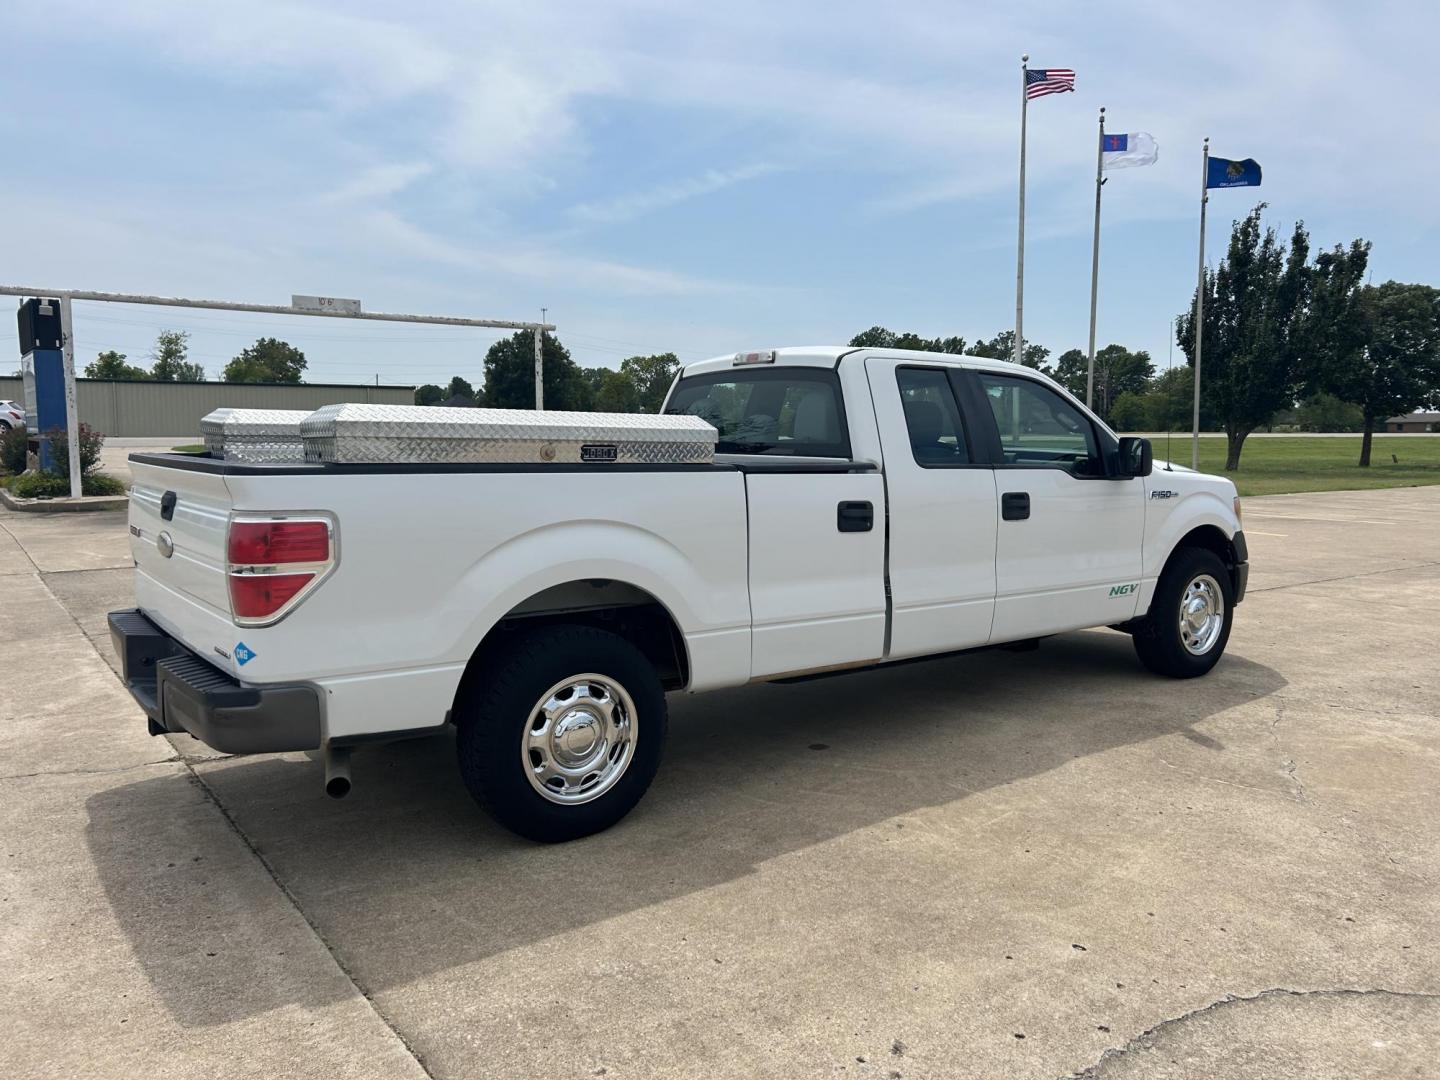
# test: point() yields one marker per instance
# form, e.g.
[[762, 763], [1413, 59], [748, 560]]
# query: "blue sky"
[[696, 178]]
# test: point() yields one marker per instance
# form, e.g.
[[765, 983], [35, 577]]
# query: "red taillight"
[[258, 596], [273, 562], [268, 543]]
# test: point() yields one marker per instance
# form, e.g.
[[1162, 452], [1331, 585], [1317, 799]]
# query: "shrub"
[[40, 485], [101, 484], [12, 450], [90, 443]]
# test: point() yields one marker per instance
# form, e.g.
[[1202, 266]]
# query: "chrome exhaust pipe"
[[337, 771]]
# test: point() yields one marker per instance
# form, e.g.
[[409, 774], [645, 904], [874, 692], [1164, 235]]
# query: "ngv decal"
[[1123, 590]]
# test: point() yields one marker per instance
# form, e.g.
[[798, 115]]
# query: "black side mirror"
[[1136, 456]]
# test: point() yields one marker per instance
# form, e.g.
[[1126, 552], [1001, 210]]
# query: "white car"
[[12, 415], [864, 506]]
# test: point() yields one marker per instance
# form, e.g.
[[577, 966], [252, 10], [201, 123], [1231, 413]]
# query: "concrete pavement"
[[1036, 864]]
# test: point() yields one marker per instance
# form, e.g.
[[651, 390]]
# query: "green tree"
[[651, 377], [111, 365], [1002, 347], [1172, 398], [170, 358], [878, 337], [1326, 412], [615, 391], [460, 388], [429, 394], [1131, 412], [510, 374], [1333, 333], [1069, 371], [1399, 368], [1255, 306], [1117, 371], [269, 360]]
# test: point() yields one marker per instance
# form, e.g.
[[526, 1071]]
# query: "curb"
[[63, 505]]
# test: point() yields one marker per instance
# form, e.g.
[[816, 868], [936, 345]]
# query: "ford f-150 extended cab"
[[860, 507]]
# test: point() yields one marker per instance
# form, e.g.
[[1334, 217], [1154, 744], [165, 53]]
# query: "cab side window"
[[932, 417], [1038, 427]]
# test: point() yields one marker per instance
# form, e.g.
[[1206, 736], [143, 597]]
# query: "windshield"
[[777, 411]]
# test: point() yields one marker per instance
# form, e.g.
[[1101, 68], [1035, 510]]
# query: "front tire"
[[1185, 632], [562, 732]]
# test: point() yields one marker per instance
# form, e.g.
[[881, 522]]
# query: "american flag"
[[1042, 81]]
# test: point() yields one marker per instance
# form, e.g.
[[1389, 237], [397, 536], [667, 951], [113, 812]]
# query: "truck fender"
[[566, 552], [1199, 510]]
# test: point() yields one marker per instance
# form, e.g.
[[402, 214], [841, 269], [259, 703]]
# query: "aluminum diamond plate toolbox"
[[258, 436], [354, 434]]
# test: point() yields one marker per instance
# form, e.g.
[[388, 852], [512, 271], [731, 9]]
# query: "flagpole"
[[1020, 255], [1095, 262], [1200, 306]]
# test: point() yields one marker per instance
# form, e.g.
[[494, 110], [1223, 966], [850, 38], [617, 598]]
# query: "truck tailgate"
[[178, 519]]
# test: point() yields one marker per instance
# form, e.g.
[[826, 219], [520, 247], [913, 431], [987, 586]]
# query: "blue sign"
[[243, 654]]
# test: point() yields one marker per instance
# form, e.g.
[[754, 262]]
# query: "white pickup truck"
[[862, 506]]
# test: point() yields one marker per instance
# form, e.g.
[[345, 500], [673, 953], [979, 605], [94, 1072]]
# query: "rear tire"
[[561, 732], [1188, 625]]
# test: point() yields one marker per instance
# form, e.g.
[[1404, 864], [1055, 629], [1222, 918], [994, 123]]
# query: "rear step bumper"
[[182, 693]]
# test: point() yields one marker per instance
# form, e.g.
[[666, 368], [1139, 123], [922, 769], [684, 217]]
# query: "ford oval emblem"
[[165, 544]]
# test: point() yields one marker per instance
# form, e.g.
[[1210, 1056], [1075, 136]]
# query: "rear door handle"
[[855, 516], [1015, 505]]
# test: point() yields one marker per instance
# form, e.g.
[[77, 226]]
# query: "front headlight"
[[1238, 520]]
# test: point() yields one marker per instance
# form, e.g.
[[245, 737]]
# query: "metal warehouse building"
[[134, 409]]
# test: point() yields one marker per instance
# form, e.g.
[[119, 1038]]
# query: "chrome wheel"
[[1202, 614], [580, 739]]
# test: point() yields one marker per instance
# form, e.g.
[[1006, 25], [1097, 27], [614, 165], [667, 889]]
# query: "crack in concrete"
[[1344, 577], [1288, 763], [209, 794], [81, 569], [1145, 1040], [1227, 783], [92, 772]]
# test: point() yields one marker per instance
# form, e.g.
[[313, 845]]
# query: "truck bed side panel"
[[430, 561]]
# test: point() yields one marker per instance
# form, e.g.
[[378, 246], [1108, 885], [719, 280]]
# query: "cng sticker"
[[244, 654], [1123, 590]]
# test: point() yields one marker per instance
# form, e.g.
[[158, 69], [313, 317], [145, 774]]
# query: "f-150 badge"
[[1163, 494]]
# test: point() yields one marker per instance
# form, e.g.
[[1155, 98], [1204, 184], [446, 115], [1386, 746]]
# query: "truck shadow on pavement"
[[406, 879]]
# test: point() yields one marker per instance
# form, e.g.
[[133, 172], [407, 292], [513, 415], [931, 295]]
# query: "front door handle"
[[1015, 505], [855, 516]]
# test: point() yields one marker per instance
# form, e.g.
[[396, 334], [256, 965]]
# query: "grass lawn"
[[1271, 466]]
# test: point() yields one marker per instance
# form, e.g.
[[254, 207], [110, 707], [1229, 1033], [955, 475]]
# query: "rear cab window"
[[775, 412]]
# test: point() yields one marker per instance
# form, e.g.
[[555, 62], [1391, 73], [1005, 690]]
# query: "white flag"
[[1134, 148]]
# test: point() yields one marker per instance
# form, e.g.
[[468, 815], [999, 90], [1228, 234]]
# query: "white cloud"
[[639, 203], [378, 182], [535, 262]]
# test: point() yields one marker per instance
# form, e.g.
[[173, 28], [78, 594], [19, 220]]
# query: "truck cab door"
[[817, 566], [815, 516], [942, 509], [1070, 537]]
